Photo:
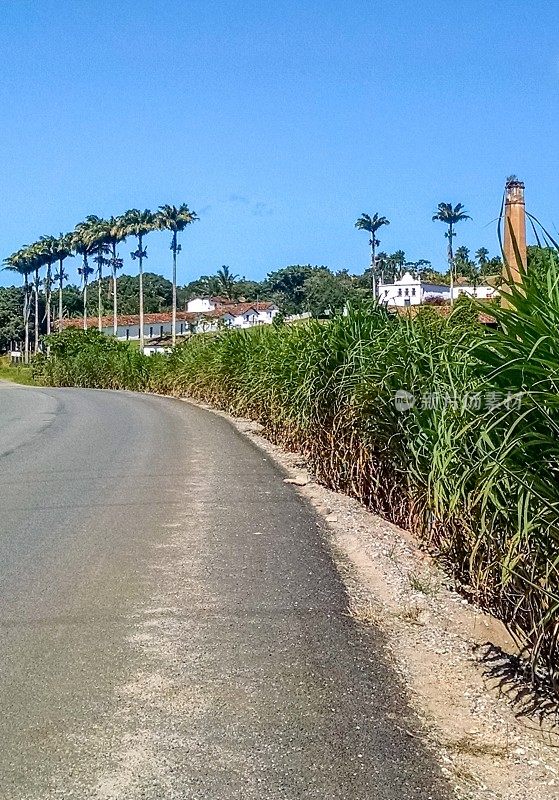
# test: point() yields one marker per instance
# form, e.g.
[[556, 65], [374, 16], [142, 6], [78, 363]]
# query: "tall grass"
[[15, 373], [466, 467]]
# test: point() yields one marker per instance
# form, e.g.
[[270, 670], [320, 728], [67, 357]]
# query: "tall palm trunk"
[[99, 294], [85, 270], [48, 293], [60, 283], [373, 265], [26, 315], [36, 320], [141, 286], [115, 301], [451, 262], [174, 311]]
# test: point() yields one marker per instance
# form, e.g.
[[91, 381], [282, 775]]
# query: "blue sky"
[[279, 123]]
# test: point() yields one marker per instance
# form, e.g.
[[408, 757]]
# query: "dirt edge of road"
[[447, 651]]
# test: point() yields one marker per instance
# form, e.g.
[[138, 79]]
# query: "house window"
[[151, 331], [406, 292], [161, 330], [413, 291], [182, 327], [399, 292], [127, 333]]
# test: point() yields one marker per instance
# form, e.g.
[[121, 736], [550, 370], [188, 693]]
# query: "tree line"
[[94, 240], [46, 293]]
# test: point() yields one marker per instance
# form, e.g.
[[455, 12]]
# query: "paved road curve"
[[171, 624]]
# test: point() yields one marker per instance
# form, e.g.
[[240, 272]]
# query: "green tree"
[[539, 261], [157, 293], [246, 289], [286, 287], [11, 327], [398, 259], [37, 258], [171, 218], [450, 216], [139, 223], [83, 245], [481, 256], [204, 286], [372, 225], [100, 237], [226, 282], [47, 246], [20, 263], [63, 251], [328, 293], [72, 300]]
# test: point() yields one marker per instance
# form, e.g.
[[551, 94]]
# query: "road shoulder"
[[447, 652]]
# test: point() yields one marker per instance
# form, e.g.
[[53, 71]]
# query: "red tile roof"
[[123, 320], [127, 319]]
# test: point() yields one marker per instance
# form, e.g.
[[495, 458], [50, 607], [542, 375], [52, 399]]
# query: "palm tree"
[[481, 256], [36, 256], [83, 246], [383, 264], [399, 258], [63, 251], [174, 219], [226, 281], [116, 234], [100, 235], [47, 246], [138, 223], [372, 225], [21, 263], [450, 215]]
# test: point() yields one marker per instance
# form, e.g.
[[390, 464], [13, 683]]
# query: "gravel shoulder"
[[451, 657]]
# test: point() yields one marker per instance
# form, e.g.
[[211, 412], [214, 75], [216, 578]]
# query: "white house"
[[410, 291], [200, 305], [211, 314], [237, 315], [406, 291]]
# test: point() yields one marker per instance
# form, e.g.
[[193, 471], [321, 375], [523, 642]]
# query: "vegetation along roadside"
[[437, 424]]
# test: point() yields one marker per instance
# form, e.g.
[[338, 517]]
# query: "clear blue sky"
[[279, 123]]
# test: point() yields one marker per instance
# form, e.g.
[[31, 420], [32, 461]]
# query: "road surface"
[[171, 622]]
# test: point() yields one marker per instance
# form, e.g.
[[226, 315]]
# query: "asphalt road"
[[171, 622]]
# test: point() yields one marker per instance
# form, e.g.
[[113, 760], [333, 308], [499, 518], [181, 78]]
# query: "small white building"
[[479, 292], [237, 315], [406, 291], [410, 291], [200, 305]]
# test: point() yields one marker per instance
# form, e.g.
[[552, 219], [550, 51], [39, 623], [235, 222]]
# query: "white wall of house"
[[156, 330], [249, 319], [152, 330], [150, 350], [198, 305], [480, 292], [266, 316], [406, 291]]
